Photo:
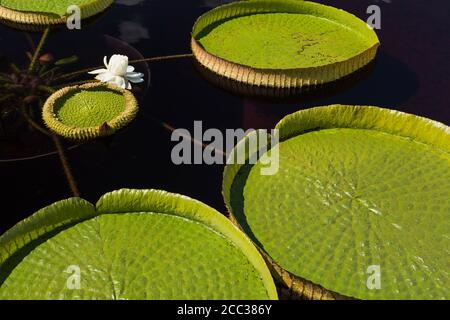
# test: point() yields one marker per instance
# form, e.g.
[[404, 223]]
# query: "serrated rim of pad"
[[85, 133], [126, 201], [280, 78], [20, 19], [394, 122]]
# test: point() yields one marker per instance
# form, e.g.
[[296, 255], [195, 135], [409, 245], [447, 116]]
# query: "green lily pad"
[[89, 111], [135, 244], [359, 189], [282, 43], [49, 12]]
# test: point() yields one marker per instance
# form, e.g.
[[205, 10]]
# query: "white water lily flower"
[[118, 72]]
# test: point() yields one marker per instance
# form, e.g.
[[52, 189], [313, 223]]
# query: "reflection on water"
[[410, 74], [369, 86], [285, 95], [214, 3], [133, 32], [18, 140], [129, 2]]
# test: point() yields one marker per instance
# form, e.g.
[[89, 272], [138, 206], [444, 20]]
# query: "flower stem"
[[171, 129], [160, 58], [33, 123], [30, 41], [47, 89], [60, 151], [38, 49], [66, 166]]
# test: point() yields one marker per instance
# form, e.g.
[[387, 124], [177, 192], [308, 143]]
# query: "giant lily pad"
[[89, 111], [134, 244], [282, 43], [48, 12], [360, 205]]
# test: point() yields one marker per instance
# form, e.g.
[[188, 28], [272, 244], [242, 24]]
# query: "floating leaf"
[[134, 244], [282, 43], [23, 13], [79, 112], [358, 188]]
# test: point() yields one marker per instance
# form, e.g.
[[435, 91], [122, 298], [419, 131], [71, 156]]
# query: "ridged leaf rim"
[[20, 19], [281, 78], [65, 213], [85, 133], [394, 122]]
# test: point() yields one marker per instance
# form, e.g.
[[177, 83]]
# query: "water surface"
[[411, 74]]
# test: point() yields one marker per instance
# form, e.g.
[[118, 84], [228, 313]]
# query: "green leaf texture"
[[88, 108], [89, 111], [283, 34], [137, 244], [58, 7], [356, 187]]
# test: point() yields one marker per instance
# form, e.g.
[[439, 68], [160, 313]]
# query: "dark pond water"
[[411, 74]]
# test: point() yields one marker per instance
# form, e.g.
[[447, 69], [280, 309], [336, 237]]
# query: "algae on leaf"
[[357, 187], [136, 244]]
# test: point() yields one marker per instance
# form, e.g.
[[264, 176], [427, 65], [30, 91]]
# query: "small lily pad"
[[89, 111], [48, 12], [134, 244], [359, 189], [282, 43]]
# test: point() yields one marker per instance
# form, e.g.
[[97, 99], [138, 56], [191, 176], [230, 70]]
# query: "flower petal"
[[119, 81], [98, 71], [118, 72], [105, 77], [135, 80], [134, 75], [118, 65]]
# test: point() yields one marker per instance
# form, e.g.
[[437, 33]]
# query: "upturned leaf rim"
[[390, 121], [281, 78], [37, 20], [68, 212], [52, 121]]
